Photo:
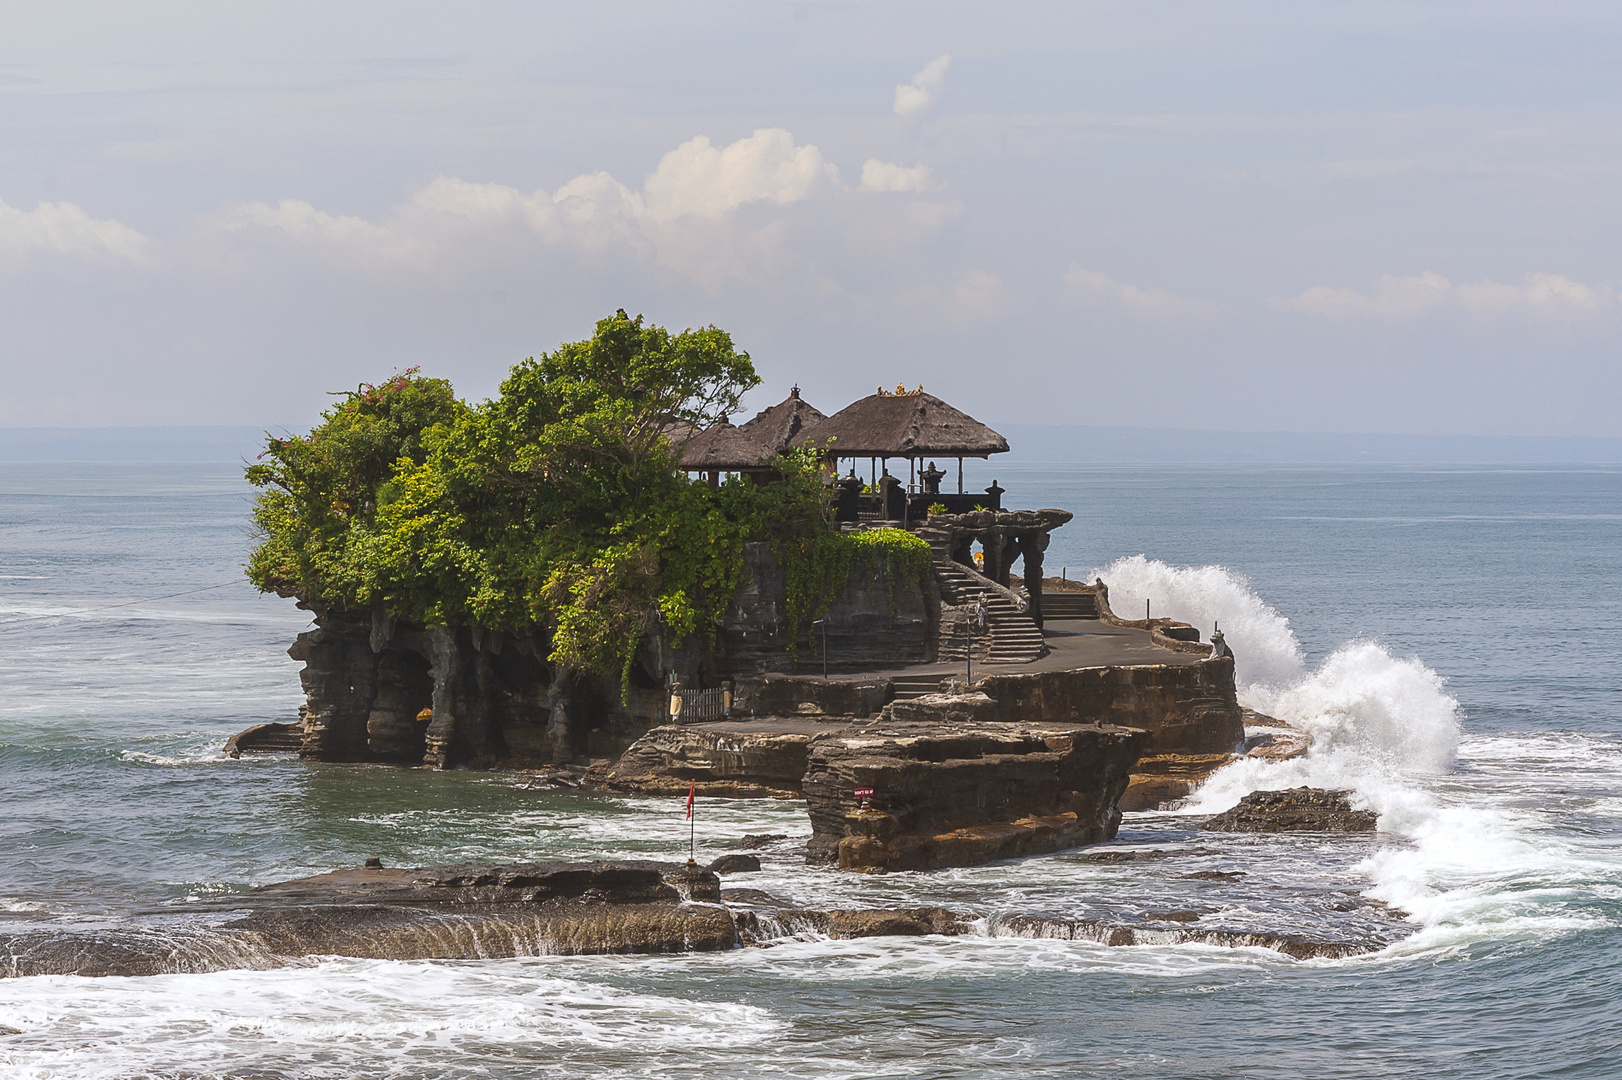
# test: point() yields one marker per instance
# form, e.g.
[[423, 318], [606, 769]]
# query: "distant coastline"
[[1033, 443]]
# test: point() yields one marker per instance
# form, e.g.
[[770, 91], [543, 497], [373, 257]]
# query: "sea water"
[[1449, 636]]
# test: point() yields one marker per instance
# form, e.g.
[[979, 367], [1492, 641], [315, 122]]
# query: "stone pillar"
[[1034, 544], [569, 722], [892, 497], [848, 505], [997, 558], [439, 749], [339, 681]]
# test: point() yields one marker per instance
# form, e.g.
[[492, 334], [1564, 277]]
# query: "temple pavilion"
[[864, 437]]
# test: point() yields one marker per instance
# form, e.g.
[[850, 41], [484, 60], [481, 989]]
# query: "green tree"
[[318, 488]]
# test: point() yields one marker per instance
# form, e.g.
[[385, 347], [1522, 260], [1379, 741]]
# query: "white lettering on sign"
[[864, 793]]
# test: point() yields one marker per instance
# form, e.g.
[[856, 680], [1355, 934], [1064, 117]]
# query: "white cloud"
[[1091, 287], [65, 229], [925, 88], [697, 178], [1544, 296], [887, 176], [683, 218]]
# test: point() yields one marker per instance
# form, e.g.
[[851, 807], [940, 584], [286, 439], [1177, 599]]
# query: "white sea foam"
[[1266, 652], [1464, 860], [343, 1017]]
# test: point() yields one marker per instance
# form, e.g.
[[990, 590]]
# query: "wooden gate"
[[698, 706]]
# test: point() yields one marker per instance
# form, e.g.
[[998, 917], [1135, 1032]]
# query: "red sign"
[[864, 793]]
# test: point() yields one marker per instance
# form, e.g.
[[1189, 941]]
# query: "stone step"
[[911, 686], [1058, 605], [1014, 637]]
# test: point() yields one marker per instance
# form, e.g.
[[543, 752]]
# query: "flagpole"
[[692, 826]]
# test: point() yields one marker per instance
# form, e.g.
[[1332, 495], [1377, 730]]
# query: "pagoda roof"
[[724, 448], [778, 425], [903, 425]]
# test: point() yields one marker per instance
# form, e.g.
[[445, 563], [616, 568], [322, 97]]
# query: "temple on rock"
[[944, 632]]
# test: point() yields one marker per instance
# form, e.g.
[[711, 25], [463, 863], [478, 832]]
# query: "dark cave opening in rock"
[[405, 688]]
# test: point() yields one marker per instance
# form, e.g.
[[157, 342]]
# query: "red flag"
[[691, 787]]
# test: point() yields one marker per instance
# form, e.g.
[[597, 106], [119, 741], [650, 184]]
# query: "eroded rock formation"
[[734, 760], [377, 689], [967, 795]]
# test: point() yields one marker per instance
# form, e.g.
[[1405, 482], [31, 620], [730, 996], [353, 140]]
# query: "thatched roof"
[[777, 425], [904, 425], [723, 448]]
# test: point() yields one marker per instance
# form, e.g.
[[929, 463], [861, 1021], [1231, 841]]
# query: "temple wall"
[[874, 622]]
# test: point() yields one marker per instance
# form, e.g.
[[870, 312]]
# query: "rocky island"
[[598, 565], [598, 577]]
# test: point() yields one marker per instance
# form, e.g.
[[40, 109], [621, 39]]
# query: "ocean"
[[1452, 637]]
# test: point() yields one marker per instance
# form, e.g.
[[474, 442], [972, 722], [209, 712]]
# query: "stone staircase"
[[1014, 638], [276, 738], [911, 686], [1069, 605]]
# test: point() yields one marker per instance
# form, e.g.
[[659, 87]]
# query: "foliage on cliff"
[[558, 505]]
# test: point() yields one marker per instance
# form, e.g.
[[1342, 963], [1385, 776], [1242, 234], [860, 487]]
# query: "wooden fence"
[[697, 706]]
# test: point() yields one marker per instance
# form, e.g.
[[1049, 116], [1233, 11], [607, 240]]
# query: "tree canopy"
[[557, 507]]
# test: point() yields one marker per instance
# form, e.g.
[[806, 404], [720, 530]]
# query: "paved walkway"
[[1073, 643]]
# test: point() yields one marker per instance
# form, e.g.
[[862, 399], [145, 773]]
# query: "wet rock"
[[7, 1029], [1179, 915], [274, 738], [444, 912], [910, 922], [963, 795], [760, 840], [1277, 746], [847, 924], [1215, 875], [735, 864], [1296, 946], [1126, 856], [558, 777], [1253, 718], [374, 863], [1301, 809], [1159, 779]]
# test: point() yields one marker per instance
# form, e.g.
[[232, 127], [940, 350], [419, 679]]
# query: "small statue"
[[1219, 645]]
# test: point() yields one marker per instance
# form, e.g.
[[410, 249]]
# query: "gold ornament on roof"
[[901, 391]]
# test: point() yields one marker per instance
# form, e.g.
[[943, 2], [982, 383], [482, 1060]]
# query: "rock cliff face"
[[379, 690], [1186, 708], [964, 795]]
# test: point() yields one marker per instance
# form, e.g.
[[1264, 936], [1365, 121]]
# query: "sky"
[[1349, 217]]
